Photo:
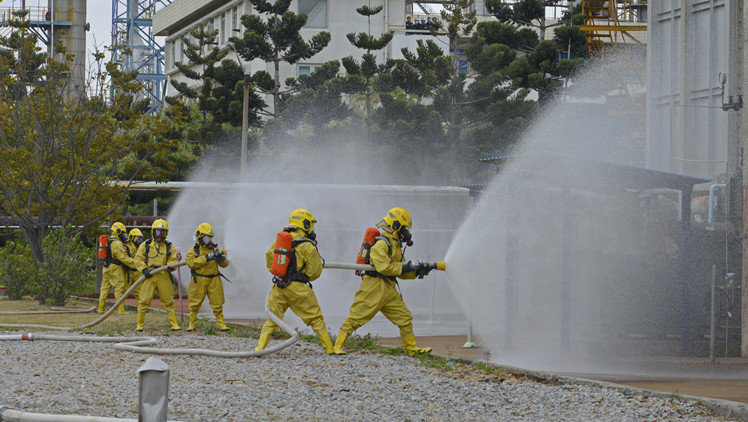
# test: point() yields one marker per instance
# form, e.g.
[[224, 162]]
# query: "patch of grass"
[[487, 368], [310, 338], [280, 335], [368, 343], [210, 328]]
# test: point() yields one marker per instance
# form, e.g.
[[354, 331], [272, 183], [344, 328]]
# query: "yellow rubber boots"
[[221, 323], [324, 338], [263, 341], [338, 348], [141, 320], [410, 346], [193, 321], [173, 320]]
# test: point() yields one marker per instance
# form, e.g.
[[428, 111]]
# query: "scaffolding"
[[135, 47], [40, 20], [613, 23]]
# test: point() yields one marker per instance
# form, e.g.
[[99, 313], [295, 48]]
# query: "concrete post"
[[153, 393]]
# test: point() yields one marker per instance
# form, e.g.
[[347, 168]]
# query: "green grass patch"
[[487, 368]]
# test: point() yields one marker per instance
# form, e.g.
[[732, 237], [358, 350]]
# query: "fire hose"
[[137, 344]]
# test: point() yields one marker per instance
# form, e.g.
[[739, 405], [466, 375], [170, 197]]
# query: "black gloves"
[[147, 273], [422, 269], [408, 267]]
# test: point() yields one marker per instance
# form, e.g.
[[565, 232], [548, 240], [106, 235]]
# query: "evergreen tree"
[[460, 23], [276, 39], [524, 13], [216, 93], [368, 68]]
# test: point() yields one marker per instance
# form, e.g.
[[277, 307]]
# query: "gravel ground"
[[300, 383]]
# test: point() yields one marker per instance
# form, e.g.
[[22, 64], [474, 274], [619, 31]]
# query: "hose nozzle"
[[439, 265]]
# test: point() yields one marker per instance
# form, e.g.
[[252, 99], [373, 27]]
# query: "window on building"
[[173, 52], [307, 69], [316, 12], [222, 35], [234, 19], [462, 65]]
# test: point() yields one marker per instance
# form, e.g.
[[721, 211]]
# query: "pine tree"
[[276, 39], [368, 68], [217, 88]]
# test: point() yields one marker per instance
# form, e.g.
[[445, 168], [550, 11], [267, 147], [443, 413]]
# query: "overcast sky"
[[99, 15]]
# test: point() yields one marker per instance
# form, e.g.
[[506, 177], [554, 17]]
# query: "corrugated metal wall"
[[687, 130]]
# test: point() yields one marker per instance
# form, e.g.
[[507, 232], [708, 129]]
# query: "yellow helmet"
[[398, 218], [118, 230], [135, 236], [159, 224], [204, 229], [302, 219]]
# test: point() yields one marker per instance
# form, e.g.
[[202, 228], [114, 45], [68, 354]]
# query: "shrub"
[[65, 269], [18, 270]]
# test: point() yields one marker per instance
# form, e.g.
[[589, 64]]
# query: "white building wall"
[[181, 16], [687, 130]]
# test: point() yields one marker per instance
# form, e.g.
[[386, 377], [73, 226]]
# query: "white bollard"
[[153, 394]]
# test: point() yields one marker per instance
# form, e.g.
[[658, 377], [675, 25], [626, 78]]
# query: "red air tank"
[[282, 254]]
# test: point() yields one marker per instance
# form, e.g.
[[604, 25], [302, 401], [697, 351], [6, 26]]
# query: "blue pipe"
[[711, 198]]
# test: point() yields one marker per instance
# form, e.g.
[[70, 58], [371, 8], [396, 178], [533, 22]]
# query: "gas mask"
[[405, 236], [158, 235], [208, 241]]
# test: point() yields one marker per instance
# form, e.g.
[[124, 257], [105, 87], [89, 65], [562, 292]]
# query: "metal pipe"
[[469, 344], [179, 288], [711, 198], [10, 415], [713, 316]]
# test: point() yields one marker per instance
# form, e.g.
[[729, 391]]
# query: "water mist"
[[338, 186], [558, 273]]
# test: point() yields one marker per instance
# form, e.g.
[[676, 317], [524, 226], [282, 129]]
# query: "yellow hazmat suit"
[[298, 296], [116, 273], [206, 280], [135, 239], [379, 294], [153, 254]]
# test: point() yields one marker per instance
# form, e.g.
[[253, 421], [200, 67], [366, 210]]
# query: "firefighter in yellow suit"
[[298, 295], [116, 267], [154, 253], [204, 259], [136, 238], [378, 291]]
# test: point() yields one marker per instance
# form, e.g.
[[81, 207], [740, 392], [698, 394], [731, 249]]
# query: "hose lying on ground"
[[136, 343], [53, 311], [10, 415]]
